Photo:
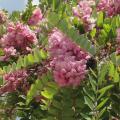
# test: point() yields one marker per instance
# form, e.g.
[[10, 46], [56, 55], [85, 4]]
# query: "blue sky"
[[12, 5]]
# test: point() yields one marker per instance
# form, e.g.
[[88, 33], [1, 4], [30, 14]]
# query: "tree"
[[60, 61]]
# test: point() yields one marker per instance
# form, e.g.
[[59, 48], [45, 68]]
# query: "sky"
[[12, 5]]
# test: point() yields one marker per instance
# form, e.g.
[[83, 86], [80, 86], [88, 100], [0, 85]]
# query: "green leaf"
[[36, 56], [93, 33], [43, 54], [118, 60], [93, 73], [113, 58], [93, 83], [13, 66], [100, 19], [20, 62], [102, 112], [89, 94], [27, 60], [116, 77], [81, 40], [111, 69], [105, 89], [39, 85], [1, 80], [89, 102], [53, 18], [102, 103], [86, 117], [56, 104], [53, 5], [107, 27], [30, 59], [1, 50], [48, 92], [103, 71]]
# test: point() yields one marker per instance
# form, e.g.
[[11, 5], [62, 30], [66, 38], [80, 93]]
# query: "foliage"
[[95, 35]]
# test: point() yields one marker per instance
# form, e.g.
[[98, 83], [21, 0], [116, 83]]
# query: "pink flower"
[[118, 50], [110, 7], [36, 17], [13, 81], [18, 39], [69, 73], [68, 59], [10, 51], [117, 6], [103, 5], [84, 11]]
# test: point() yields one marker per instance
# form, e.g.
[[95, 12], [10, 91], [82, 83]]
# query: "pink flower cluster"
[[83, 11], [36, 17], [13, 81], [110, 7], [68, 60], [118, 41], [19, 39], [3, 17]]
